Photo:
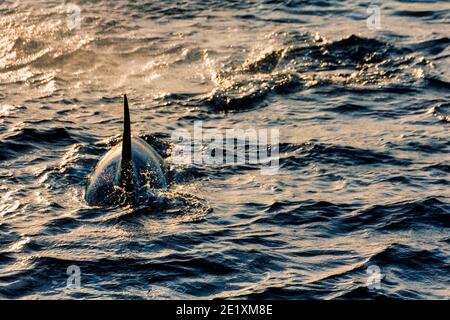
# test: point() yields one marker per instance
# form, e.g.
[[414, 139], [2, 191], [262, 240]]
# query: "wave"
[[441, 111], [400, 216], [295, 156], [26, 139], [305, 61]]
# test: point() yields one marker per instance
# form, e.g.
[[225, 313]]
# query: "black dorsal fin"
[[126, 175], [126, 138]]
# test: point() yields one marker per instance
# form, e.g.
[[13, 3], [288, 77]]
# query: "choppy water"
[[364, 148]]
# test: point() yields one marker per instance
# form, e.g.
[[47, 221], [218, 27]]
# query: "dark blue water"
[[363, 116]]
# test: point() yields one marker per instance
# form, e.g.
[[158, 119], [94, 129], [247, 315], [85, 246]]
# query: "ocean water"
[[362, 105]]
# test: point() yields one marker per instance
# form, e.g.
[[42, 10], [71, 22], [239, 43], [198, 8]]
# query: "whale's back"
[[148, 172], [148, 166]]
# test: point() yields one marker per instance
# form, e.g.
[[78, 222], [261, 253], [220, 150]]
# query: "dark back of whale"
[[148, 171]]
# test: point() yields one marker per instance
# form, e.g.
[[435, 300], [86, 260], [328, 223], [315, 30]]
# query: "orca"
[[128, 171]]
